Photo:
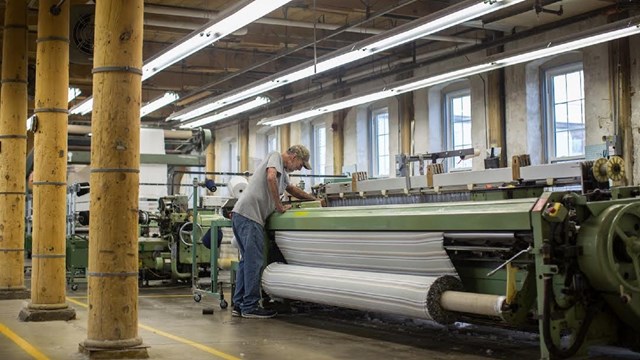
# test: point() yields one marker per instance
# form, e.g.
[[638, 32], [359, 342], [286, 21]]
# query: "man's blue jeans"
[[250, 239]]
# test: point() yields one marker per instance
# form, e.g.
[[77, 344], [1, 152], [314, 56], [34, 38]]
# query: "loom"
[[565, 264]]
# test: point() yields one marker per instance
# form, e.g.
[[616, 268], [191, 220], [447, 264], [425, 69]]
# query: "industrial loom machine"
[[563, 262]]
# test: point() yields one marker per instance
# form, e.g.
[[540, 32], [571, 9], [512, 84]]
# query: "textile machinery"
[[564, 263]]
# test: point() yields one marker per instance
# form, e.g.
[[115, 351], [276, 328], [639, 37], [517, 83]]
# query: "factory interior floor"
[[173, 326]]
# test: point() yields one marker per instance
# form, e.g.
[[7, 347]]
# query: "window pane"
[[380, 143], [457, 106], [561, 116], [562, 143], [576, 138], [559, 89], [466, 134], [466, 106], [574, 112], [574, 86]]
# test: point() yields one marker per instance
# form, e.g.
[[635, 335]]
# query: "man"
[[259, 200]]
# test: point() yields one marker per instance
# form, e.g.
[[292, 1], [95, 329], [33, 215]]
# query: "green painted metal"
[[489, 215]]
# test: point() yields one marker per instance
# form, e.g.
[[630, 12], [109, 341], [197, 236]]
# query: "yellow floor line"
[[30, 349], [176, 338]]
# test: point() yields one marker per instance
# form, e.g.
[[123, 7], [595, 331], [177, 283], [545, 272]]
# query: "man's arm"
[[272, 183], [299, 193]]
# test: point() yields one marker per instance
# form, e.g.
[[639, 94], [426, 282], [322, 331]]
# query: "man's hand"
[[282, 208]]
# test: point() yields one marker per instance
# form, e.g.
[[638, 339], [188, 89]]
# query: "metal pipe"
[[200, 14]]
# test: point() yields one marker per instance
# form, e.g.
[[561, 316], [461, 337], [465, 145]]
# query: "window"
[[458, 125], [233, 156], [380, 143], [272, 141], [565, 112], [319, 154]]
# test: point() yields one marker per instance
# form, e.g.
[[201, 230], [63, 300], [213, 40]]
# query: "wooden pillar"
[[48, 273], [495, 112], [115, 166], [495, 100], [243, 142], [337, 134], [406, 115], [13, 145], [210, 159], [619, 60], [285, 137]]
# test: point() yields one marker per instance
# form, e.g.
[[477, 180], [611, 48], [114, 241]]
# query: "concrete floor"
[[173, 327]]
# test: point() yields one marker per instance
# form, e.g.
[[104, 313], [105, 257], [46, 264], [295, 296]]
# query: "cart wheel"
[[223, 304], [74, 287], [197, 297]]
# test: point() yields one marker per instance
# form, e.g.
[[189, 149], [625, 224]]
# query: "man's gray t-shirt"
[[256, 202]]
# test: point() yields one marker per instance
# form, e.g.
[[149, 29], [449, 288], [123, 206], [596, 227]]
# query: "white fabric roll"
[[236, 186], [415, 253], [406, 295]]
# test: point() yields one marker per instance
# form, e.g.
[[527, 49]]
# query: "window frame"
[[374, 135], [268, 136], [449, 142], [549, 113], [318, 156]]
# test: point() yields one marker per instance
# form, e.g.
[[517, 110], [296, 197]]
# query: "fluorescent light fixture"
[[462, 13], [427, 25], [156, 104], [211, 33], [231, 21], [259, 101], [611, 32], [570, 46], [349, 102], [73, 93], [83, 108]]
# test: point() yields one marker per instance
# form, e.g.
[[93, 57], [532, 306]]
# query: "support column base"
[[15, 294], [134, 352], [27, 314]]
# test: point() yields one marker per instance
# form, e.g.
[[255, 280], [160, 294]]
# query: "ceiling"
[[294, 34]]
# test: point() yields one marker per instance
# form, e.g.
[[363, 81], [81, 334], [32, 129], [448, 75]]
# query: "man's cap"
[[302, 153]]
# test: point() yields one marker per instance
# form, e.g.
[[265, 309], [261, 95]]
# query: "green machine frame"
[[573, 274]]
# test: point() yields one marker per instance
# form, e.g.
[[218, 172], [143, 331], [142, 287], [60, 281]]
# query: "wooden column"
[[115, 166], [243, 143], [337, 132], [13, 145], [619, 60], [406, 114], [285, 137], [495, 100], [48, 273], [210, 159], [496, 114]]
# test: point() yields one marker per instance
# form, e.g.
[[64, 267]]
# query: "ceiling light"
[[228, 21], [156, 104], [83, 108], [259, 101], [231, 20], [345, 103], [605, 33], [427, 25], [458, 14], [73, 93]]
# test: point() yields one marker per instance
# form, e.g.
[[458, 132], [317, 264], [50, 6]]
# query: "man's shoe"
[[259, 313], [236, 311]]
